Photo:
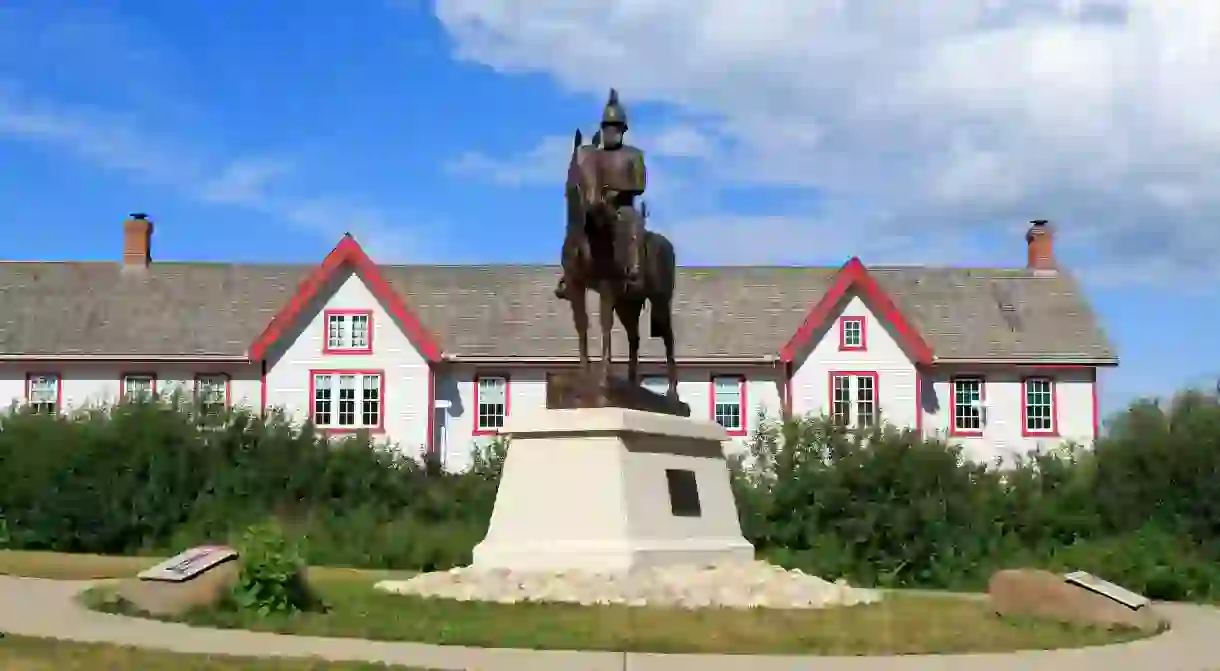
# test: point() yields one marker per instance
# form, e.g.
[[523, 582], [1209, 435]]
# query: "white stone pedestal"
[[588, 490]]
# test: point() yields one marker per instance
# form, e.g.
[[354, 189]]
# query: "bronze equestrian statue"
[[608, 250]]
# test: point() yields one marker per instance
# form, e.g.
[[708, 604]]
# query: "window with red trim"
[[348, 331], [348, 400], [729, 403], [854, 401], [42, 392], [967, 396], [138, 386], [212, 393], [1038, 408], [851, 334], [490, 402]]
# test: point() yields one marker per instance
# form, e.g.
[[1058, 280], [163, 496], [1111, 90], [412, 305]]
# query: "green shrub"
[[881, 506], [272, 577]]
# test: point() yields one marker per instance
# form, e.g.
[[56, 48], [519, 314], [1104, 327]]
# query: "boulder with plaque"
[[1076, 598], [196, 578]]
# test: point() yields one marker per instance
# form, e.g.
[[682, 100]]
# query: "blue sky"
[[806, 133]]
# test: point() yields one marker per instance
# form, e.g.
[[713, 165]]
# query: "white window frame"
[[855, 398], [36, 397], [1050, 428], [729, 403], [491, 403], [967, 416], [349, 332], [211, 383], [347, 400], [129, 378], [844, 343]]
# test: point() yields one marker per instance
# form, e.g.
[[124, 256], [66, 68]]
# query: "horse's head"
[[584, 175]]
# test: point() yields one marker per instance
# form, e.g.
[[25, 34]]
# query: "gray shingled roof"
[[509, 311]]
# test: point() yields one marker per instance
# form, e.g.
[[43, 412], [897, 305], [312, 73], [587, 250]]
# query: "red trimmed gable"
[[853, 275], [347, 252]]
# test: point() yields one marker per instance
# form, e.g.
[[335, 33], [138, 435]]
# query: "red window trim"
[[123, 381], [334, 399], [228, 385], [966, 433], [344, 351], [1096, 408], [59, 387], [1054, 430], [745, 402], [830, 389], [508, 400], [843, 346]]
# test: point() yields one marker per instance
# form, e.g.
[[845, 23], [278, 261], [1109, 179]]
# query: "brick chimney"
[[137, 241], [1040, 241]]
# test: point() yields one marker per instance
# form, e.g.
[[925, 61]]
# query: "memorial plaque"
[[189, 564], [683, 492], [1107, 589]]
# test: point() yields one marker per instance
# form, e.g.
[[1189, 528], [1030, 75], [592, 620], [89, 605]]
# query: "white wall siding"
[[527, 392], [404, 369], [455, 426], [85, 384], [1002, 437], [896, 377]]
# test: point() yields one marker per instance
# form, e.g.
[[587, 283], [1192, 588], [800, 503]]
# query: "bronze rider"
[[622, 166]]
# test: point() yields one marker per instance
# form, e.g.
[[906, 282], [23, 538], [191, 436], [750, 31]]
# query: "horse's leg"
[[628, 310], [607, 293], [578, 296], [662, 317]]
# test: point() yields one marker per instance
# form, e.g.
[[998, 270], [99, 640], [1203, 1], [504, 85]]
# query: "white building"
[[434, 357]]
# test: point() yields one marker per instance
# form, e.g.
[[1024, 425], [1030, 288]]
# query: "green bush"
[[889, 507], [272, 577], [144, 477], [881, 506]]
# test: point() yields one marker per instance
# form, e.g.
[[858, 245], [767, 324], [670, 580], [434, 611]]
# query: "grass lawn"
[[902, 624], [18, 653], [64, 566]]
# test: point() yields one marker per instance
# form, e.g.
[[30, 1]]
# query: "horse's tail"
[[662, 267]]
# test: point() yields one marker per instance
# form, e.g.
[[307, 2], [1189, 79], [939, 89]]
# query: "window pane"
[[852, 333], [840, 409], [492, 402], [322, 399], [866, 401], [360, 331], [347, 400], [44, 393], [138, 386], [370, 405], [1039, 405], [335, 331], [210, 390], [727, 402], [967, 394]]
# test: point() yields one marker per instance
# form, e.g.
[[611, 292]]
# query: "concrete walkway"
[[47, 608]]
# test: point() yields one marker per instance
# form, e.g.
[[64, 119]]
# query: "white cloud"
[[542, 164], [254, 183], [963, 115]]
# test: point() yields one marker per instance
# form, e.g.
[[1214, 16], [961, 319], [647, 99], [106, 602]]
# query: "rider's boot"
[[561, 289], [634, 278]]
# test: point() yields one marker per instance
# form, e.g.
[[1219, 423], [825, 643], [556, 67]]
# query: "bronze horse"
[[592, 259]]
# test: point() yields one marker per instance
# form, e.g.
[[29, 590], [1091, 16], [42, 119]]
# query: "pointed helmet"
[[614, 112]]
